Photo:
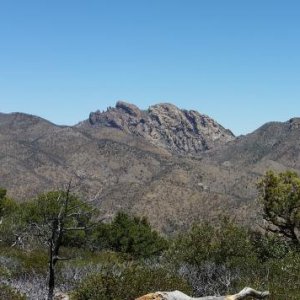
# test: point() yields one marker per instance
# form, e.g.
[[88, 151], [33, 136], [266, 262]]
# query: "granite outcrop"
[[165, 125]]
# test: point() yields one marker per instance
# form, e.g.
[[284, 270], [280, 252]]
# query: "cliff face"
[[165, 125]]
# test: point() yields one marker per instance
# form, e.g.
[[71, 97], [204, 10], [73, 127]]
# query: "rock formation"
[[165, 125]]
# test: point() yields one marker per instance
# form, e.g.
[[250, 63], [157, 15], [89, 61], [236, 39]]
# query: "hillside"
[[139, 167]]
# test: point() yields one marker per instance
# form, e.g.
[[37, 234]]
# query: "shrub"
[[19, 262], [128, 284], [10, 219], [226, 244], [7, 205], [7, 293], [269, 246], [284, 277], [213, 258]]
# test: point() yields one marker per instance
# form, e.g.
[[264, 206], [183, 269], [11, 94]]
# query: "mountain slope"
[[273, 146], [152, 177], [273, 141]]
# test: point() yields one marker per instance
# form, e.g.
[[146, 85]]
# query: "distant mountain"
[[273, 146], [171, 165], [274, 141]]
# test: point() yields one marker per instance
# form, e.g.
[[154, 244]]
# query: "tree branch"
[[247, 292]]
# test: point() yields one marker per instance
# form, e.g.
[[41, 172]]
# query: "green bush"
[[280, 198], [131, 235], [128, 284], [269, 246], [10, 219], [213, 258], [227, 244], [280, 276], [2, 197], [7, 205], [284, 277], [7, 293], [12, 224], [20, 262]]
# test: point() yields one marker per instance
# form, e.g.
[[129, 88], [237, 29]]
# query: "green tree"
[[10, 221], [280, 196], [39, 213], [131, 235], [2, 198]]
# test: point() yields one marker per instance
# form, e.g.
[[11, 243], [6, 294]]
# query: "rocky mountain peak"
[[165, 125], [128, 108], [294, 123]]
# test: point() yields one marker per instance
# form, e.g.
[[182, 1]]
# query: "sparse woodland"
[[57, 242]]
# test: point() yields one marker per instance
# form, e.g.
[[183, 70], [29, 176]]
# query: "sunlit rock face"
[[165, 125]]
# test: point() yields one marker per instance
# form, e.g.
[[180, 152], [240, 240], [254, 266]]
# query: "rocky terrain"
[[171, 165], [166, 126]]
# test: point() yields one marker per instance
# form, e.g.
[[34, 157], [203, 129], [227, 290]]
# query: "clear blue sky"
[[237, 61]]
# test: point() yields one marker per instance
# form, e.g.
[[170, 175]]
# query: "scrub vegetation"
[[126, 258]]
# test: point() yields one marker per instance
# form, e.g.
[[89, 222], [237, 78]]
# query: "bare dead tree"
[[55, 226]]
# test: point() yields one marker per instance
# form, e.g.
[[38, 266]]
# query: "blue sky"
[[237, 61]]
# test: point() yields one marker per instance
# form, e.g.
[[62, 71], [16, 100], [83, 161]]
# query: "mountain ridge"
[[172, 188], [178, 130]]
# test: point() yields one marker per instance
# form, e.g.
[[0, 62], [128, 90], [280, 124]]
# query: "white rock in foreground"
[[177, 295]]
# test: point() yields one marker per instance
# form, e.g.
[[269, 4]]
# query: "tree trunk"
[[52, 261], [51, 282]]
